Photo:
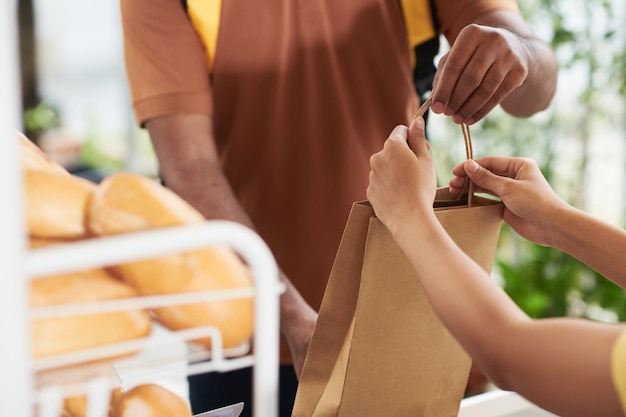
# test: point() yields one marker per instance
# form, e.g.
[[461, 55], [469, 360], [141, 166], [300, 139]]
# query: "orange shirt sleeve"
[[165, 60], [454, 15]]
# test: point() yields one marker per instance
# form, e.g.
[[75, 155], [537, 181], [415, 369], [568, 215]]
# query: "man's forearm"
[[538, 89], [211, 194], [206, 188], [190, 167]]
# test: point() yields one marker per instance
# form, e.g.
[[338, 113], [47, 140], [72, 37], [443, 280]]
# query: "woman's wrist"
[[419, 224], [559, 225]]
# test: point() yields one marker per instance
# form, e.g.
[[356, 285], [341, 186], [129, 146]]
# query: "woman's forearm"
[[598, 244], [463, 295], [562, 365]]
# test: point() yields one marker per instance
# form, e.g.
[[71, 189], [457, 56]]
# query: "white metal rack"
[[498, 403], [25, 382], [113, 250]]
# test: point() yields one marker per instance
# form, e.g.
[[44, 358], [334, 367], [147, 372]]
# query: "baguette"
[[76, 406], [127, 202], [212, 269], [65, 334], [56, 204], [150, 400], [35, 242], [34, 159]]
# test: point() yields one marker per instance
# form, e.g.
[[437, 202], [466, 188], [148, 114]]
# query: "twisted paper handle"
[[469, 151]]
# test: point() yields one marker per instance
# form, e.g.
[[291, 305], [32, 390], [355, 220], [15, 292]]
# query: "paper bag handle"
[[469, 152]]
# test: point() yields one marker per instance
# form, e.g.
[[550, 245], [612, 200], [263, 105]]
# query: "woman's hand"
[[531, 206], [402, 177]]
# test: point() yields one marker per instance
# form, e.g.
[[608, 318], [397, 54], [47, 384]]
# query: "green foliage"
[[41, 118], [618, 71], [91, 156], [546, 282]]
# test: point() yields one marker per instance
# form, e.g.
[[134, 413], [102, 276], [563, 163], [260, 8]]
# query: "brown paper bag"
[[378, 348]]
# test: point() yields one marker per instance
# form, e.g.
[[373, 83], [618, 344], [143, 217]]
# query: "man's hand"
[[485, 65], [494, 60], [297, 321]]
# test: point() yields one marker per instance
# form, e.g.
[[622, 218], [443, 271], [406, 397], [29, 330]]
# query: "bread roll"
[[59, 335], [127, 202], [76, 406], [216, 268], [40, 242], [56, 204], [33, 158], [150, 400]]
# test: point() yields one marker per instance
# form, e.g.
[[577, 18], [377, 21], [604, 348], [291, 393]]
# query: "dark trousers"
[[215, 390]]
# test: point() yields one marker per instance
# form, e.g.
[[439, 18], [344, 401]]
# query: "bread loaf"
[[35, 242], [76, 406], [56, 204], [150, 400], [128, 202], [59, 335], [216, 268], [34, 159], [146, 400], [55, 200]]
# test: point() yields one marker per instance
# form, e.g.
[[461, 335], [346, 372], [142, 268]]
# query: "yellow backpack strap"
[[423, 38], [205, 17], [420, 24]]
